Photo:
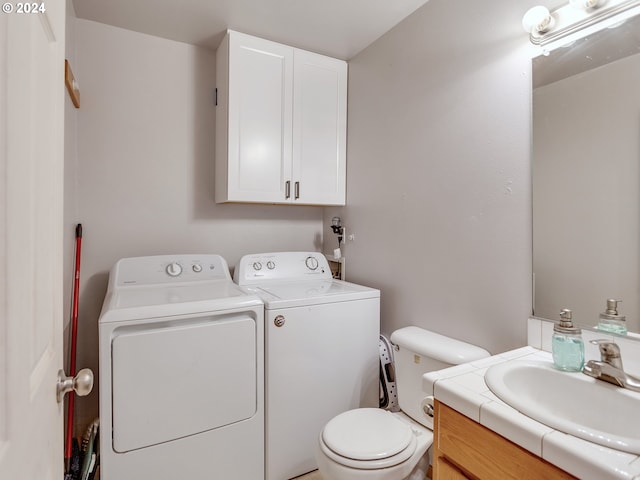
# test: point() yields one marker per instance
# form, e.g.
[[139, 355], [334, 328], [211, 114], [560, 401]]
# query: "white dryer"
[[321, 351], [181, 372]]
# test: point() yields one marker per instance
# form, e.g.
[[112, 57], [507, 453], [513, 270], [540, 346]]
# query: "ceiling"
[[338, 28]]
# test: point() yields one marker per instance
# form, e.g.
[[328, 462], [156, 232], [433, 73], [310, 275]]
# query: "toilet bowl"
[[375, 444]]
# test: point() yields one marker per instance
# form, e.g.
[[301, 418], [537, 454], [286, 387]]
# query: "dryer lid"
[[161, 301], [367, 434], [159, 295]]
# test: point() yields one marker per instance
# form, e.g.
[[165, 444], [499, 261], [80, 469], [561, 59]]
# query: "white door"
[[319, 129], [31, 167]]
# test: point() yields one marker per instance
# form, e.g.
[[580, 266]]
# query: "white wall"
[[438, 192], [145, 152], [70, 181], [586, 215], [438, 171]]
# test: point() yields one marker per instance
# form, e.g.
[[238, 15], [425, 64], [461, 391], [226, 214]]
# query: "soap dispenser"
[[610, 321], [567, 346]]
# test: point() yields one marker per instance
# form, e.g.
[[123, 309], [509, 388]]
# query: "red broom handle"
[[74, 340]]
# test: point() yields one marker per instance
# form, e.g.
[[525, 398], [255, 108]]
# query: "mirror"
[[586, 177]]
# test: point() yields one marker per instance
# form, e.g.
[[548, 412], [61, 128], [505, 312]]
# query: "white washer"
[[181, 372], [322, 355]]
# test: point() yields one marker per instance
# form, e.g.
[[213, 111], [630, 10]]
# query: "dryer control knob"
[[257, 266], [311, 262], [271, 265], [174, 269]]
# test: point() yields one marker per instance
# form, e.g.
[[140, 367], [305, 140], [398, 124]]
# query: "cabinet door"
[[319, 129], [446, 471], [481, 453], [259, 119]]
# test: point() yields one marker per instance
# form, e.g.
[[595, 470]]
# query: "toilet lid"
[[367, 434]]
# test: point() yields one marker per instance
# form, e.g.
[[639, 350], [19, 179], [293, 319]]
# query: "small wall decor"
[[72, 85]]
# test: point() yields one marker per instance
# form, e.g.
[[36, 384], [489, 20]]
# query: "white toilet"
[[375, 444]]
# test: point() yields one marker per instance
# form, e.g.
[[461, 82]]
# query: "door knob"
[[81, 384]]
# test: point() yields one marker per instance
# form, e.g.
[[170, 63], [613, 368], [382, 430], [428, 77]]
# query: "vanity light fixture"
[[576, 19], [584, 4], [537, 20]]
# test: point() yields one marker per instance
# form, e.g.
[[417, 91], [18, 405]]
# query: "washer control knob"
[[271, 265], [311, 262], [257, 266], [174, 269], [279, 321], [197, 268]]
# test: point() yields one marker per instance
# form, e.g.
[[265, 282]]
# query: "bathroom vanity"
[[477, 435], [466, 449]]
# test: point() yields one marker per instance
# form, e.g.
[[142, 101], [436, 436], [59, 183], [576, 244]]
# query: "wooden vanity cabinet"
[[464, 449]]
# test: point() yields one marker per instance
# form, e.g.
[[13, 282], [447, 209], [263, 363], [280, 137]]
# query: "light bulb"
[[585, 4], [537, 19]]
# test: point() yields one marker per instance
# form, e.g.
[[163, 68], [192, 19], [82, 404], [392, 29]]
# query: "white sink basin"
[[572, 403]]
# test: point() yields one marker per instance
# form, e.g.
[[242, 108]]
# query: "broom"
[[72, 353]]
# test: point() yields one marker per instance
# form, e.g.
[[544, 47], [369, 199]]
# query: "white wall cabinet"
[[280, 124]]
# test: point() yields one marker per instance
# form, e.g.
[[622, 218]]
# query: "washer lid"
[[367, 434], [289, 294]]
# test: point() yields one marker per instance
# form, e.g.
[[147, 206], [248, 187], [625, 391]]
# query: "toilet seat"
[[368, 438]]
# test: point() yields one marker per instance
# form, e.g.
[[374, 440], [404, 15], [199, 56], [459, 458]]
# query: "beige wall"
[[145, 153], [70, 193], [438, 171], [70, 181], [438, 193]]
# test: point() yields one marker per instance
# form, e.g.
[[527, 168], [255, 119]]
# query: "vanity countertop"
[[463, 388]]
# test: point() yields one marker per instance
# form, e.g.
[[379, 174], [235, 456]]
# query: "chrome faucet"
[[609, 368]]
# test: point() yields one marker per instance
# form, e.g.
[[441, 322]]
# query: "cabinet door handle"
[[287, 189], [297, 190]]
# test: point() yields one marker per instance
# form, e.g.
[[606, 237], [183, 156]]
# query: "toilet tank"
[[418, 351]]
